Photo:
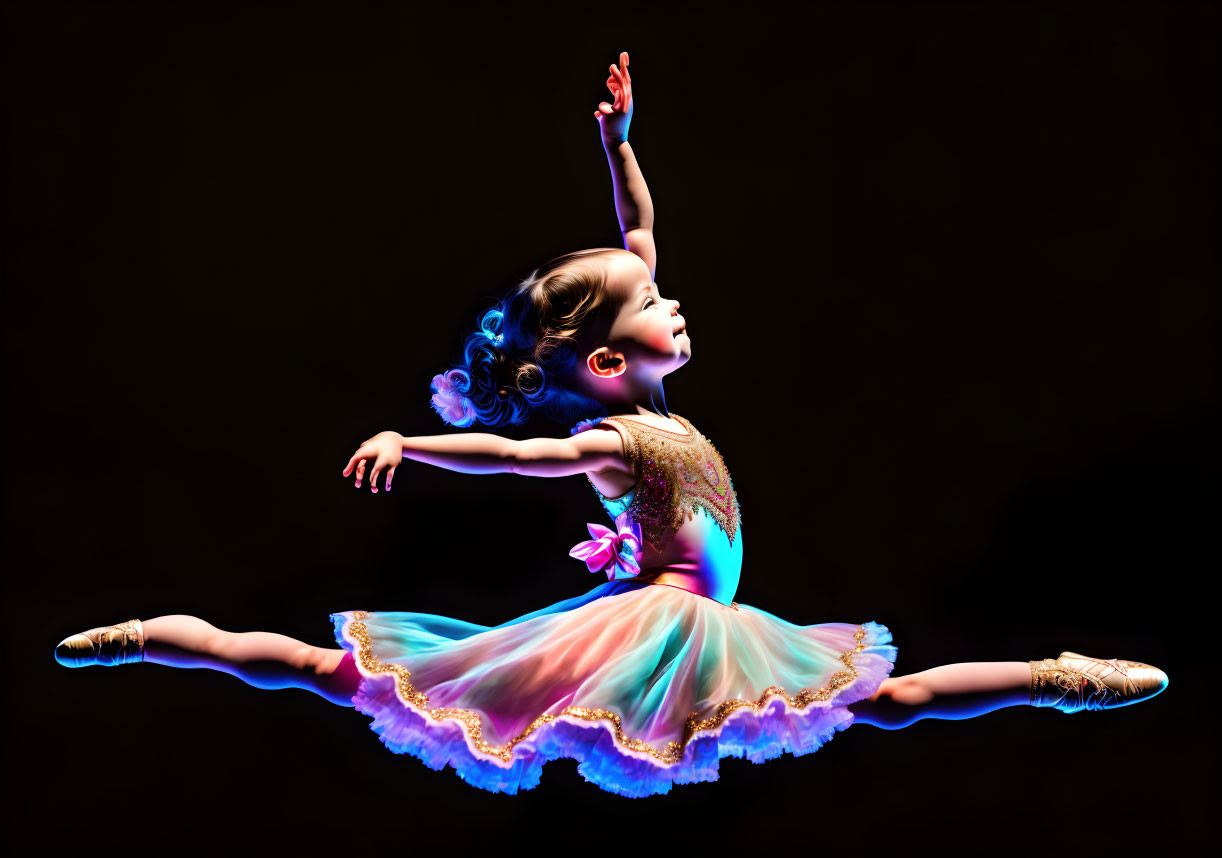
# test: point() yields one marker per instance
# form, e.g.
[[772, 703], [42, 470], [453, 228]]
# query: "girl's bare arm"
[[633, 205], [483, 453]]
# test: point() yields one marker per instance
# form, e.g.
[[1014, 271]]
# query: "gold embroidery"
[[670, 753], [678, 474]]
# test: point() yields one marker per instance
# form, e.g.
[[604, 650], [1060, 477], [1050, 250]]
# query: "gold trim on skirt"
[[669, 754]]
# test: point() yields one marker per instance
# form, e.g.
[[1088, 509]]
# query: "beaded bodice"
[[680, 475]]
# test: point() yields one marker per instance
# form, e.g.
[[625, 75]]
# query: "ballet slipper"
[[105, 645], [1077, 683]]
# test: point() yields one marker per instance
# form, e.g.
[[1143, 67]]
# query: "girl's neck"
[[626, 395], [649, 402]]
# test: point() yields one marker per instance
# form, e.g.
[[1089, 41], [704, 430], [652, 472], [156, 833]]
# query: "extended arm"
[[633, 205], [483, 453]]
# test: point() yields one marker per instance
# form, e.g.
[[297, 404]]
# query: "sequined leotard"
[[686, 505]]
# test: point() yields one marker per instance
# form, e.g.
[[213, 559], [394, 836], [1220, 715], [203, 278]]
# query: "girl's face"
[[647, 331]]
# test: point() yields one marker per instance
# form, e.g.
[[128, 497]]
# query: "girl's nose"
[[675, 311]]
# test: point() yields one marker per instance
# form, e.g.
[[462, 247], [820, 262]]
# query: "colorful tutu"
[[645, 685]]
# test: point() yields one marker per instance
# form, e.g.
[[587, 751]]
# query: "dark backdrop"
[[950, 280]]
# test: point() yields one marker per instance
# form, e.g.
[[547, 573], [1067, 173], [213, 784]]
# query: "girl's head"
[[585, 331]]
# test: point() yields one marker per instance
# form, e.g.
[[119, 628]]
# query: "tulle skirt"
[[645, 685]]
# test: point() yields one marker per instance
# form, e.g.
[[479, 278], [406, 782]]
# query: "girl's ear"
[[605, 363]]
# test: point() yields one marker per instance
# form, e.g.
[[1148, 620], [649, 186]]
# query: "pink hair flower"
[[448, 399]]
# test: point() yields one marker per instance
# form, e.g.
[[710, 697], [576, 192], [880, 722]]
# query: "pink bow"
[[605, 551]]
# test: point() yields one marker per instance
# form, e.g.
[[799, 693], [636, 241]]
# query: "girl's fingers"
[[360, 473], [373, 480], [617, 93], [620, 80], [616, 84], [390, 475], [360, 452]]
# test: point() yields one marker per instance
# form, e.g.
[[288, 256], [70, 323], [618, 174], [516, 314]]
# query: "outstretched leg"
[[1070, 683], [950, 692], [261, 659]]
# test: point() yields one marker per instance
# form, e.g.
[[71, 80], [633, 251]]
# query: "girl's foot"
[[1074, 683], [105, 645]]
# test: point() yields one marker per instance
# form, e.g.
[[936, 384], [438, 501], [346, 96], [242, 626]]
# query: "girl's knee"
[[906, 690], [328, 661], [214, 641], [316, 661]]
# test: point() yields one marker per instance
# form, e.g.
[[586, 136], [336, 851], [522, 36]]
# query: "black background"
[[951, 285]]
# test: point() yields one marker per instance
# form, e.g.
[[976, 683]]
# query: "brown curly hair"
[[526, 344]]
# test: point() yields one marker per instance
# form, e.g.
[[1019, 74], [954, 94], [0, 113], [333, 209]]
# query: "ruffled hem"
[[776, 723]]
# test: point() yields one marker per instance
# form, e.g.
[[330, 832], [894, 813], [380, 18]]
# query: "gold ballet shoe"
[[105, 645], [1076, 683]]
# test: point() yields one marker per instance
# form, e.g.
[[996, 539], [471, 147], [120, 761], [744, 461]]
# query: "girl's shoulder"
[[677, 426]]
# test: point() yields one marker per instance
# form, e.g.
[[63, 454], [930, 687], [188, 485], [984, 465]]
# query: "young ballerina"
[[653, 676]]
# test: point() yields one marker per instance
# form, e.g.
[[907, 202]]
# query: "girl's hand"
[[615, 118], [386, 449]]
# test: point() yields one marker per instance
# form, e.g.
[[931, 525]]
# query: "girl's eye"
[[648, 301]]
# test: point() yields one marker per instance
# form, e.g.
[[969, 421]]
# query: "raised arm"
[[633, 205], [482, 453]]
